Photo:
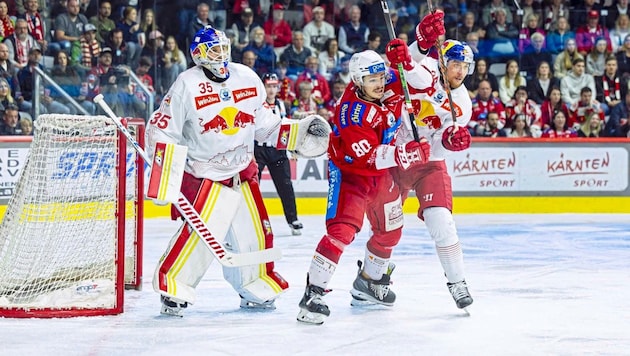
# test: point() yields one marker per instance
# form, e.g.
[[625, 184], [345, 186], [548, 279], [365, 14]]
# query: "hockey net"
[[71, 238]]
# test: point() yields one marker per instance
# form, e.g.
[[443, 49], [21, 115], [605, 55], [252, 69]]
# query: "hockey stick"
[[188, 212], [442, 66], [403, 81]]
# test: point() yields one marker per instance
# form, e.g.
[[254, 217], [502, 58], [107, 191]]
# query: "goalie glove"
[[456, 138], [306, 138]]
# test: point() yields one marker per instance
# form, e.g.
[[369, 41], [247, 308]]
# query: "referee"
[[277, 161]]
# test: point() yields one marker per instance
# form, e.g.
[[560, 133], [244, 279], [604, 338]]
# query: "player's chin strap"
[[188, 212]]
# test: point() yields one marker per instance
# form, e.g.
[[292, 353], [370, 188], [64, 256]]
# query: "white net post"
[[64, 228]]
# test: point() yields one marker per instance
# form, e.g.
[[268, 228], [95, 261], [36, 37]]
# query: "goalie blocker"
[[306, 138]]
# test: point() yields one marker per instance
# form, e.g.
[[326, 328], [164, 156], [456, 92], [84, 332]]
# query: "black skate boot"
[[296, 228], [172, 307], [459, 291], [313, 309], [367, 291]]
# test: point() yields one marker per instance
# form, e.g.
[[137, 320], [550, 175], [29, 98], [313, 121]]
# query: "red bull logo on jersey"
[[427, 116], [242, 94], [206, 100], [228, 122]]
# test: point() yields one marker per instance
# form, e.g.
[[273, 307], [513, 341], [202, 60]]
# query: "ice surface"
[[550, 284]]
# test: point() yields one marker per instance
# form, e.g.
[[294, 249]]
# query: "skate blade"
[[360, 296], [356, 302], [171, 312], [467, 311], [296, 232], [258, 307], [308, 317]]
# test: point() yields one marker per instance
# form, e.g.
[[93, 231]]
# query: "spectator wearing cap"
[[90, 47], [131, 31], [36, 24], [68, 28], [265, 55], [243, 27], [19, 44], [254, 5], [587, 35], [26, 80], [581, 10], [103, 66], [318, 31], [278, 30], [200, 21], [104, 25], [275, 160]]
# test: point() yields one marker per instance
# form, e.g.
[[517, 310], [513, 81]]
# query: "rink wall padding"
[[499, 175]]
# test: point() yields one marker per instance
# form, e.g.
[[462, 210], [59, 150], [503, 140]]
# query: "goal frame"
[[122, 206]]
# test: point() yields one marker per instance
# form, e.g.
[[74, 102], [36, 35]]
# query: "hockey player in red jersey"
[[361, 153], [447, 130]]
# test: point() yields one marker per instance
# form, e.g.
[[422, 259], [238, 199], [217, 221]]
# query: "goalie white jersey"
[[217, 121], [431, 104]]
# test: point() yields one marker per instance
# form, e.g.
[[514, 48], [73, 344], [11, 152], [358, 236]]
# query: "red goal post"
[[71, 237]]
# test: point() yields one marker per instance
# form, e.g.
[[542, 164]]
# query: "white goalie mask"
[[210, 48]]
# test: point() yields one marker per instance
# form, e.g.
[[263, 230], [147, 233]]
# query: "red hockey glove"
[[398, 53], [412, 153], [429, 29], [456, 138]]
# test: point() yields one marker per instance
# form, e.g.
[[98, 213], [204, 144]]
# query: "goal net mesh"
[[59, 236]]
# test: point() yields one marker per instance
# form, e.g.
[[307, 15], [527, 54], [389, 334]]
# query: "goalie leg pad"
[[442, 229], [252, 232], [187, 258], [167, 172]]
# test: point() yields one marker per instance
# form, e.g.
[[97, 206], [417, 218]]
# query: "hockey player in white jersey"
[[216, 109], [434, 120]]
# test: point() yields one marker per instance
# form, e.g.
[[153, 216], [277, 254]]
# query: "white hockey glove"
[[306, 138]]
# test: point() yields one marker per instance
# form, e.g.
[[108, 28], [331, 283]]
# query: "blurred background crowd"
[[549, 68]]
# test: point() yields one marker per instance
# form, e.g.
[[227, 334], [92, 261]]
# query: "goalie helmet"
[[210, 48], [453, 50], [365, 63]]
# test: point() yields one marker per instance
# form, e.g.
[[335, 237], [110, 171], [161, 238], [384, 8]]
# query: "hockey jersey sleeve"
[[167, 122]]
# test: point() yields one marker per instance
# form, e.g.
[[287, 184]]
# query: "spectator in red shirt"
[[321, 90], [559, 127], [484, 103], [552, 104], [584, 109], [277, 29]]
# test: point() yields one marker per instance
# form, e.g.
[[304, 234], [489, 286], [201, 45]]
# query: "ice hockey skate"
[[459, 291], [296, 228], [172, 307], [249, 305], [369, 292], [313, 309]]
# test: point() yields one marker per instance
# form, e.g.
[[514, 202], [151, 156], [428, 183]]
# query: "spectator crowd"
[[544, 68]]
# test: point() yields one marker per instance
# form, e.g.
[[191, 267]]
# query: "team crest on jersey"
[[356, 114], [245, 93], [343, 114], [167, 100], [439, 96], [224, 93], [391, 120], [206, 100]]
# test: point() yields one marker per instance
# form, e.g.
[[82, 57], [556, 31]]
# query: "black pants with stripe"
[[277, 163]]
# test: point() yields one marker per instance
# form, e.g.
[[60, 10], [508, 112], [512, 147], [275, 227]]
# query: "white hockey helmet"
[[453, 50], [365, 63], [210, 48]]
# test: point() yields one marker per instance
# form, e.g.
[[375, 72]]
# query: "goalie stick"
[[403, 81], [188, 212]]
